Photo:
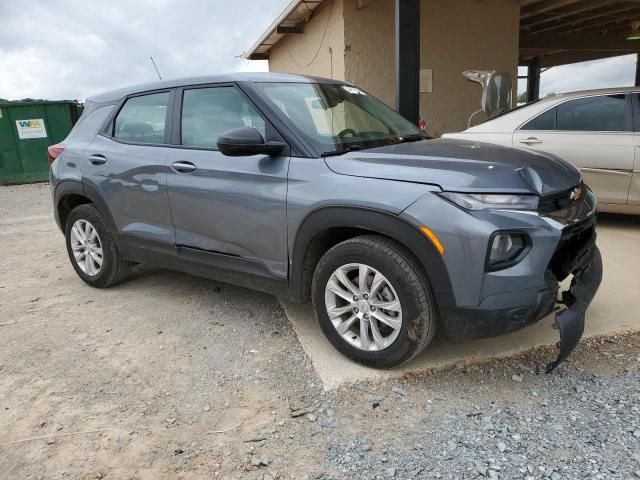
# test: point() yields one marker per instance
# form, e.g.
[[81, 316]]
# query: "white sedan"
[[598, 131]]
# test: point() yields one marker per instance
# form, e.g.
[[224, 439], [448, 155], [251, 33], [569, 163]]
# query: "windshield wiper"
[[330, 153], [409, 138]]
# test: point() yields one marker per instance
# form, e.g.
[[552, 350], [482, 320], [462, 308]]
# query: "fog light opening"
[[506, 249]]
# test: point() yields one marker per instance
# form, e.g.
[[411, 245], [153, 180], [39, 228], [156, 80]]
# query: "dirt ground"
[[171, 376]]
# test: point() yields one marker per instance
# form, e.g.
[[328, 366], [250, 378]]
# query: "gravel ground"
[[169, 376], [505, 420]]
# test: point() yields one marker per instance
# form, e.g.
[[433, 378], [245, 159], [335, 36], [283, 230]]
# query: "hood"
[[463, 166]]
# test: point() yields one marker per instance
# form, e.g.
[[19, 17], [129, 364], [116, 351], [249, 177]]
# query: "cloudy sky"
[[610, 72], [74, 48]]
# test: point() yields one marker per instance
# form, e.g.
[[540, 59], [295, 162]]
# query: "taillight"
[[54, 152]]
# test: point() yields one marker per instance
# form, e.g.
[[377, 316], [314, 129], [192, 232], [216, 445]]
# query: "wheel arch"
[[72, 193], [328, 226]]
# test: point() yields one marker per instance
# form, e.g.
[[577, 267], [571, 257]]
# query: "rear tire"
[[398, 318], [92, 249]]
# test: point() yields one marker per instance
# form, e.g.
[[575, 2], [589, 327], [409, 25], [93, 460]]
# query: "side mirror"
[[246, 141]]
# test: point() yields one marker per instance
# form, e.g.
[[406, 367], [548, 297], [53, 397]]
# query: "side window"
[[142, 119], [89, 124], [593, 114], [544, 121], [209, 112]]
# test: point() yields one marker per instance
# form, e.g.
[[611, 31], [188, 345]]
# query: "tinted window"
[[593, 114], [544, 121], [209, 112], [142, 119]]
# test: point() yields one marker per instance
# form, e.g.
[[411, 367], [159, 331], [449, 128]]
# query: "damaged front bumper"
[[576, 255], [584, 285]]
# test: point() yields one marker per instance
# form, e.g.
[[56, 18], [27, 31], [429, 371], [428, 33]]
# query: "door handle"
[[97, 159], [531, 141], [183, 167]]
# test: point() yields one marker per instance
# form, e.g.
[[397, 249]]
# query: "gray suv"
[[311, 189]]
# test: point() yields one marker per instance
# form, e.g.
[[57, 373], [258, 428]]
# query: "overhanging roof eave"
[[296, 12]]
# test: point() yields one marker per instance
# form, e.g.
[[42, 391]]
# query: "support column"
[[637, 83], [533, 80], [407, 24]]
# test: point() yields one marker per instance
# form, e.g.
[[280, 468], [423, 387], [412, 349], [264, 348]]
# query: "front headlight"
[[492, 201]]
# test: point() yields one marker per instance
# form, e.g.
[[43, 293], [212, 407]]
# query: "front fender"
[[374, 221]]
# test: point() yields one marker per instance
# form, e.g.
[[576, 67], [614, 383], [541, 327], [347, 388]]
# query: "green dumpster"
[[26, 130]]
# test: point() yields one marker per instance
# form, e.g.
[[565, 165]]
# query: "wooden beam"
[[527, 55], [567, 58], [544, 6], [579, 43], [591, 21], [583, 6], [621, 30], [526, 3], [294, 29], [258, 56]]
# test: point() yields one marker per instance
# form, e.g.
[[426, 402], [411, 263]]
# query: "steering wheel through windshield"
[[347, 131]]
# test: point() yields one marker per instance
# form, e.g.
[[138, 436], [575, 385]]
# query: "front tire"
[[372, 302], [92, 249]]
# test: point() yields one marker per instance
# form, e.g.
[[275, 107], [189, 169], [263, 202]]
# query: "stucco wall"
[[460, 35], [456, 35], [308, 53], [369, 47]]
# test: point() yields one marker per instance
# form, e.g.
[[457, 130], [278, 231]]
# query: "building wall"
[[456, 35], [369, 47], [314, 52], [460, 35]]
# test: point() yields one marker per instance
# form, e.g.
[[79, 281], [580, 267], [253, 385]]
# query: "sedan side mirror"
[[246, 141]]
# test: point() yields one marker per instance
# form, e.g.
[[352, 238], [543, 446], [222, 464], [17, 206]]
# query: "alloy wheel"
[[363, 307], [86, 247]]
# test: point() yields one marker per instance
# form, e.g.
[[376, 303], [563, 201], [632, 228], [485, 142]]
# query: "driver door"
[[234, 206]]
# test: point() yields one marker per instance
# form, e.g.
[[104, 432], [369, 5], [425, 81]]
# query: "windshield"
[[336, 118]]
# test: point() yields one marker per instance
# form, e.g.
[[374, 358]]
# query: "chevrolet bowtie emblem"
[[576, 193]]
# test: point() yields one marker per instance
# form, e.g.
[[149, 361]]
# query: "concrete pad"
[[614, 310]]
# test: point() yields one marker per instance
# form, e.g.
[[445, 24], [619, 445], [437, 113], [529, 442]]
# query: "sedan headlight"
[[492, 201]]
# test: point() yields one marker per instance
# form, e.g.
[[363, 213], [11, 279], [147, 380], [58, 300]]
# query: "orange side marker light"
[[434, 239]]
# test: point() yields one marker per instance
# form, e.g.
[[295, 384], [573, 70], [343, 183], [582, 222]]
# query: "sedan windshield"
[[337, 118]]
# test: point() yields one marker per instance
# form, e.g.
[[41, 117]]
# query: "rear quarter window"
[[544, 121], [89, 125]]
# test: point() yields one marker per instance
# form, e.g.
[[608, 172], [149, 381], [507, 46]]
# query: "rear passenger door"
[[234, 206], [126, 165], [595, 134]]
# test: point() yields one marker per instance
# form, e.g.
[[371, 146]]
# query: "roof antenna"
[[154, 66]]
